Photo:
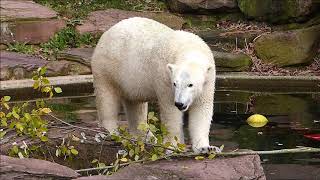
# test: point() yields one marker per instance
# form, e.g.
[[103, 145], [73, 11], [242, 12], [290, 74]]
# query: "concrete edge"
[[230, 81]]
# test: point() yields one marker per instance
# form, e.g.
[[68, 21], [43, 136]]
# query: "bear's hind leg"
[[108, 104], [136, 113]]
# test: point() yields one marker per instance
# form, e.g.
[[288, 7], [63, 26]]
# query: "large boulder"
[[15, 168], [242, 167], [277, 11], [182, 6], [100, 21], [232, 61], [288, 47], [21, 66], [27, 21], [80, 55]]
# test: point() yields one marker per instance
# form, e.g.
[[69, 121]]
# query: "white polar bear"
[[140, 60]]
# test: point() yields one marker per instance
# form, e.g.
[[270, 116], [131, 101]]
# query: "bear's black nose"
[[179, 105]]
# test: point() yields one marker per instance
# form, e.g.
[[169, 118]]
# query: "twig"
[[233, 153], [109, 167], [79, 127]]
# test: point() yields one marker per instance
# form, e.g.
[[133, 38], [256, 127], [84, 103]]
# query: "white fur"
[[137, 60]]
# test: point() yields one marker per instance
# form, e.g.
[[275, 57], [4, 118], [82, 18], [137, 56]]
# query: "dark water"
[[291, 117]]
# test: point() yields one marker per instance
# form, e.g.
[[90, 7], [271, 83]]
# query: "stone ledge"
[[225, 81]]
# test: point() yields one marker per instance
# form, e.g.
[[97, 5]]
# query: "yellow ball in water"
[[257, 120]]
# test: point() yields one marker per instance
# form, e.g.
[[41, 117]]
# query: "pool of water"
[[292, 116]]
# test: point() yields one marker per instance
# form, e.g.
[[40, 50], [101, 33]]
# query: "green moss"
[[81, 8], [21, 48], [68, 38]]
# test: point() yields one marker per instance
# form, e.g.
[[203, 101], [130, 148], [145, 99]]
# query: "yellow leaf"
[[199, 158], [2, 114], [124, 159], [46, 110]]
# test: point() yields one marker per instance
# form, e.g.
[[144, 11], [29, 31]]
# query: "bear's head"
[[188, 79]]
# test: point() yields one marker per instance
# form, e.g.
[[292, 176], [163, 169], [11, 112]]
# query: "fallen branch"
[[106, 133], [235, 153]]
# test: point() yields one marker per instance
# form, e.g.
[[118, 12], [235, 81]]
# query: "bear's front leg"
[[171, 117], [200, 116]]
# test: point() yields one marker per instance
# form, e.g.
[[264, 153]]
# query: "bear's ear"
[[170, 67]]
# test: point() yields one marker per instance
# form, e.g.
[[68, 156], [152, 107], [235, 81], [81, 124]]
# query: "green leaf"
[[74, 151], [35, 78], [2, 134], [27, 116], [6, 98], [45, 81], [46, 89], [211, 156], [6, 106], [143, 127], [15, 149], [153, 128], [182, 147], [20, 155], [58, 90], [199, 158], [136, 157], [15, 115], [44, 138], [150, 115], [19, 126], [131, 152], [101, 165], [36, 85], [221, 147], [4, 122], [51, 94], [58, 152], [154, 157], [43, 70], [94, 161], [9, 115]]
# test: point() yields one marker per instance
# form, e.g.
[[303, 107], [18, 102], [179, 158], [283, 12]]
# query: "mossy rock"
[[277, 11], [288, 47], [231, 61]]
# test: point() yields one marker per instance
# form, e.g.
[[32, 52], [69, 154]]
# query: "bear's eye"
[[174, 84], [190, 85]]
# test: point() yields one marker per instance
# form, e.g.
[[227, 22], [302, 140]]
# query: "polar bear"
[[139, 60]]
